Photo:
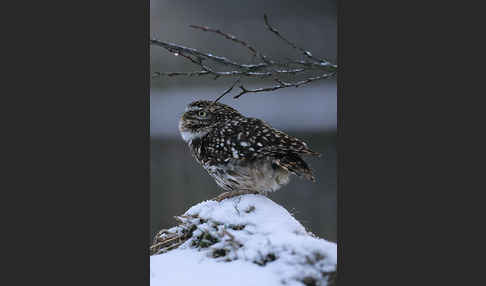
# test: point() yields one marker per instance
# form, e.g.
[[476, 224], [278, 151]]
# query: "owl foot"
[[227, 195]]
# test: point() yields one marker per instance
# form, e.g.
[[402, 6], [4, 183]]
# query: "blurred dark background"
[[309, 112]]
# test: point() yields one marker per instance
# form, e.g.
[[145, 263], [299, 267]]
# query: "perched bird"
[[243, 155]]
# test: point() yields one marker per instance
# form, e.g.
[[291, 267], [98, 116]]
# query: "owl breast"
[[261, 176]]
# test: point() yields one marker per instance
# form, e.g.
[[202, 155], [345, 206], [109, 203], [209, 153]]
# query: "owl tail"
[[295, 165], [310, 152]]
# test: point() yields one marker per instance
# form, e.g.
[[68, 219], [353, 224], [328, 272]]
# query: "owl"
[[242, 154]]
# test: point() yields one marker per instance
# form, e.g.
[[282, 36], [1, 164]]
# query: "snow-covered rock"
[[245, 240]]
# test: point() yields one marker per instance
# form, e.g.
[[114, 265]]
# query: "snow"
[[184, 267], [257, 242]]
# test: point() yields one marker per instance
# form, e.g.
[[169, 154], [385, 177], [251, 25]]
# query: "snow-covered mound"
[[245, 240]]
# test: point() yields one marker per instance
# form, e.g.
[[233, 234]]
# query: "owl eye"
[[202, 113]]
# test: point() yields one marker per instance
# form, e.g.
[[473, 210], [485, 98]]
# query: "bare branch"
[[226, 74], [198, 57], [179, 50], [267, 68], [281, 85]]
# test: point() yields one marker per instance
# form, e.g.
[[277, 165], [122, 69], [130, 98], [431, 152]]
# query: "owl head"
[[202, 116]]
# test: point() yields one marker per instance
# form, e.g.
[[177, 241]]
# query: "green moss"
[[268, 258], [237, 227], [204, 240], [309, 281], [219, 252]]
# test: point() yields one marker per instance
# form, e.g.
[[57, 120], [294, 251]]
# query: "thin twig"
[[227, 73], [170, 74], [227, 91], [276, 32], [325, 64], [227, 36], [233, 38], [167, 241], [156, 250]]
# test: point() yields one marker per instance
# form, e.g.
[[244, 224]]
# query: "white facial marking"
[[189, 136]]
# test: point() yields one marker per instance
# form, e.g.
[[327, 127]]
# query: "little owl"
[[243, 155]]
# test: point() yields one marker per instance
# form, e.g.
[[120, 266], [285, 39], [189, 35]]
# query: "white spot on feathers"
[[235, 153]]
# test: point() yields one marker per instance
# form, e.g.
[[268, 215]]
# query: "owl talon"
[[227, 195]]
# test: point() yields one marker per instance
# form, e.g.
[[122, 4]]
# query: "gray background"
[[308, 112]]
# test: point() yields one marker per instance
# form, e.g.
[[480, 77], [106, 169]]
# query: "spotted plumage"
[[241, 153]]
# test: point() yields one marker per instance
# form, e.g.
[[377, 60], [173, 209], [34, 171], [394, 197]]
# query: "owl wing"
[[255, 137], [251, 138], [279, 143]]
